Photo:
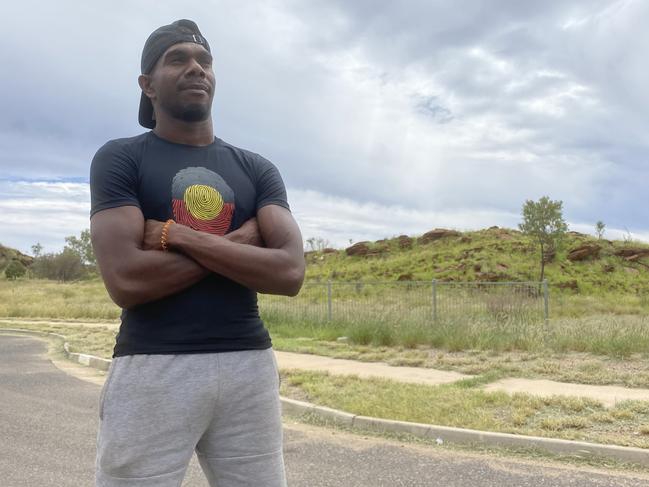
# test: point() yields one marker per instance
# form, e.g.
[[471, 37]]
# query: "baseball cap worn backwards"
[[158, 42]]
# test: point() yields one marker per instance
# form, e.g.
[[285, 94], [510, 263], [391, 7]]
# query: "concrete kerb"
[[442, 434]]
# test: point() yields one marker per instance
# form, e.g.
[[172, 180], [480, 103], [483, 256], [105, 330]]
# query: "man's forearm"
[[147, 275], [153, 274], [265, 270]]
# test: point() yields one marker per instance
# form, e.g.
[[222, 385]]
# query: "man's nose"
[[195, 68]]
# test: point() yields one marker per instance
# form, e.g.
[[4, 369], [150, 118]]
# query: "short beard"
[[188, 113]]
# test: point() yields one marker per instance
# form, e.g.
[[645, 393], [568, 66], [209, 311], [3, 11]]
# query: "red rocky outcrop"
[[436, 234], [360, 248], [584, 252]]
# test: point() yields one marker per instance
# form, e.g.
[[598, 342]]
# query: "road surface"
[[49, 419]]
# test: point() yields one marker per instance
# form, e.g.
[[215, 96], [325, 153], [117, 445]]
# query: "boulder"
[[360, 249], [377, 251], [438, 233], [405, 242], [584, 252], [632, 253], [329, 250]]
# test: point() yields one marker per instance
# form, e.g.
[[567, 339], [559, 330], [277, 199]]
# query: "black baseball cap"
[[158, 42]]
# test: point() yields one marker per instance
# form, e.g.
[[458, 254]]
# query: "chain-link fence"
[[415, 302]]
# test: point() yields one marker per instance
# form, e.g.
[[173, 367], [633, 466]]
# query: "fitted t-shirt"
[[214, 189]]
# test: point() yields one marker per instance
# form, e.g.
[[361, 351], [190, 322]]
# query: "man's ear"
[[145, 85]]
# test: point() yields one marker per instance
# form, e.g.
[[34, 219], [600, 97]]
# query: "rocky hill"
[[7, 254], [583, 264]]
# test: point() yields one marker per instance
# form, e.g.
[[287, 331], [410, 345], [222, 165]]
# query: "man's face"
[[182, 82]]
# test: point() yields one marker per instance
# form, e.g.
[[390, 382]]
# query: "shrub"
[[64, 266], [15, 269]]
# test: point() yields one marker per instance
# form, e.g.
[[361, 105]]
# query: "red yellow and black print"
[[202, 200]]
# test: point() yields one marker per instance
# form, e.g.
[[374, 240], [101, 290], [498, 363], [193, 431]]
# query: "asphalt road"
[[49, 419]]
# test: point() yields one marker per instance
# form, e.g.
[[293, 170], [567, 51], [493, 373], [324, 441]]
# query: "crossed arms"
[[136, 270]]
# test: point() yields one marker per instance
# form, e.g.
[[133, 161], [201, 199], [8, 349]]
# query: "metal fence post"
[[434, 300], [329, 307]]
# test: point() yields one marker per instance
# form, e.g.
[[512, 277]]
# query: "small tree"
[[68, 265], [599, 229], [37, 249], [543, 221], [82, 246], [317, 243], [15, 269], [62, 266]]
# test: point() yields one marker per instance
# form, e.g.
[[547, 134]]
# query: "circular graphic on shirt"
[[202, 200]]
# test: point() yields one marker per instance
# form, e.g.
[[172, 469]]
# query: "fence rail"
[[417, 302]]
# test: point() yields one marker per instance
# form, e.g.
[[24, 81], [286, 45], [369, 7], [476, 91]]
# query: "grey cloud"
[[341, 96]]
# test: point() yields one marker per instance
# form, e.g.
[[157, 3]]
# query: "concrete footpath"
[[607, 394]]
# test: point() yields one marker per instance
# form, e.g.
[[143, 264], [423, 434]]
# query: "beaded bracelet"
[[165, 234]]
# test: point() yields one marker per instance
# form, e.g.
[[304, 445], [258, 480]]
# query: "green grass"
[[465, 405], [583, 368], [611, 335], [393, 315]]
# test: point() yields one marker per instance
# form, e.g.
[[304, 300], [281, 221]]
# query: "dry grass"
[[466, 407], [584, 368]]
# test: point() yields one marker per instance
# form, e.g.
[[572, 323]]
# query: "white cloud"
[[42, 211]]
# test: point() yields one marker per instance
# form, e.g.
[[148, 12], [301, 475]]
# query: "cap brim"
[[145, 116]]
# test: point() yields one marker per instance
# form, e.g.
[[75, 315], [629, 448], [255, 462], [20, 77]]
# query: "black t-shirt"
[[214, 189]]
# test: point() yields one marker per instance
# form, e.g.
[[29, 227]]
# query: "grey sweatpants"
[[156, 410]]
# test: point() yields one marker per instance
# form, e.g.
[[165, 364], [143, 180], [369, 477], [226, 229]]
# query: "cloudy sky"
[[383, 117]]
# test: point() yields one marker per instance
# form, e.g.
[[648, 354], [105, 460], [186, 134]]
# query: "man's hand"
[[152, 235], [248, 234], [132, 275], [278, 268]]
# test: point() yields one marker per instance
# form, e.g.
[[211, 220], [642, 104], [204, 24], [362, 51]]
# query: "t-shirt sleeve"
[[113, 179], [270, 186]]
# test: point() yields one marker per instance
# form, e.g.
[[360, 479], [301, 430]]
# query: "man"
[[186, 229]]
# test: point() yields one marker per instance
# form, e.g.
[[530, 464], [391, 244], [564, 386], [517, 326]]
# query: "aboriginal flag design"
[[202, 200]]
